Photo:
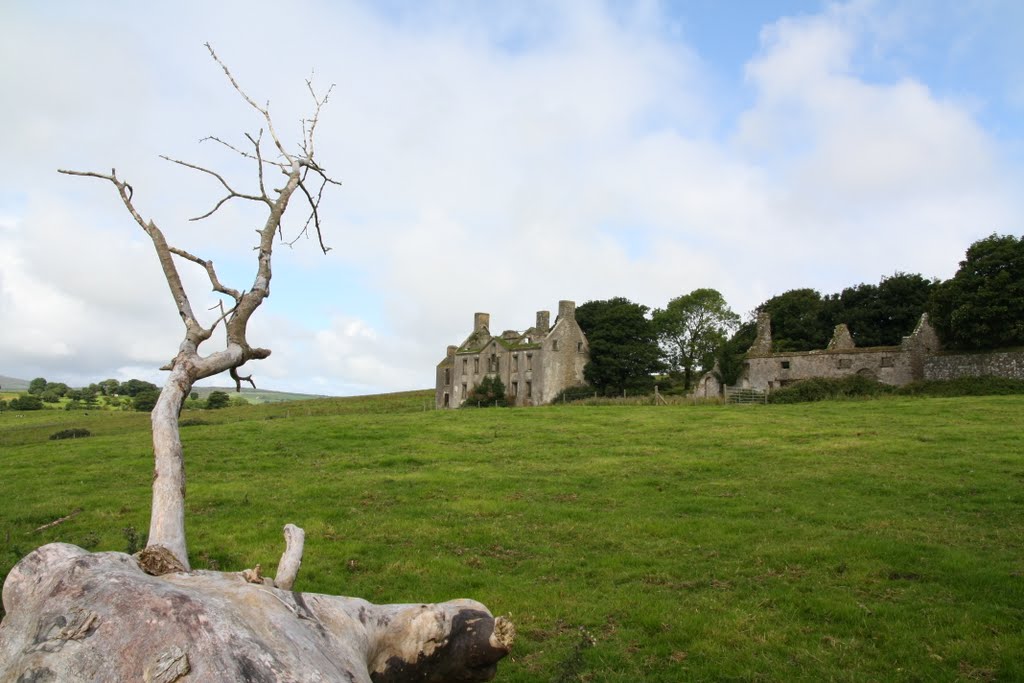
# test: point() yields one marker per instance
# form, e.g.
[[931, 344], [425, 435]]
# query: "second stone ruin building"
[[765, 370], [535, 366]]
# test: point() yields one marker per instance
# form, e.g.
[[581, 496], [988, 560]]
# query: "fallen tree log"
[[79, 616]]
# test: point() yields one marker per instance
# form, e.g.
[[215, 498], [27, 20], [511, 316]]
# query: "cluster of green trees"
[[134, 393], [980, 307], [877, 315], [632, 346]]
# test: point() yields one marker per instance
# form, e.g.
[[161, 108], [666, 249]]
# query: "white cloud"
[[873, 176], [494, 159]]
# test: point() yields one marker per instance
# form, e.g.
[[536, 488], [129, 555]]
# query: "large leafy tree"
[[691, 329], [800, 320], [882, 314], [982, 305], [731, 354], [624, 349]]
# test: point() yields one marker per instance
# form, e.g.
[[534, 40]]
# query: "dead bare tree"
[[252, 628], [166, 622], [301, 173]]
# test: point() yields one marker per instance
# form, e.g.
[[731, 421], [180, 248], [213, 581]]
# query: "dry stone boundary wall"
[[944, 366]]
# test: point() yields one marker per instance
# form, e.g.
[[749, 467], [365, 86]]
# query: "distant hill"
[[13, 384], [259, 395]]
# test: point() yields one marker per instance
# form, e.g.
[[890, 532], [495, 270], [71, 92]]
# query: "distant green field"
[[854, 541]]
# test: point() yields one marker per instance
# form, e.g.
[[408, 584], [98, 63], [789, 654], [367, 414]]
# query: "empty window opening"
[[529, 389], [785, 365], [447, 401], [492, 363], [476, 365], [447, 375], [464, 392], [887, 362], [465, 367], [845, 363], [515, 363], [579, 347], [515, 388], [529, 361], [554, 345]]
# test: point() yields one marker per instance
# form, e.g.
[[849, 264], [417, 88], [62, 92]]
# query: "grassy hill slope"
[[258, 395], [13, 384], [880, 540]]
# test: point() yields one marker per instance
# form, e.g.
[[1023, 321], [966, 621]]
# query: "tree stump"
[[79, 616]]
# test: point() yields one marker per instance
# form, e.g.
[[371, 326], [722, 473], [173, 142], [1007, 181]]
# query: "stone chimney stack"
[[452, 350], [481, 321], [543, 321], [762, 346], [567, 310]]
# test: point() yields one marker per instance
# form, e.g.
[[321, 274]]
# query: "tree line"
[[132, 394], [633, 346], [110, 393]]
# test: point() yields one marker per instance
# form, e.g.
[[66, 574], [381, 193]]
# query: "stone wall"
[[942, 366]]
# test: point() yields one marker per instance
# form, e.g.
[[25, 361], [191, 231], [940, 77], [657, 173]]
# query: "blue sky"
[[495, 157]]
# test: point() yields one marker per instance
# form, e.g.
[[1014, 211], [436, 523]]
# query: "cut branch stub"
[[291, 560]]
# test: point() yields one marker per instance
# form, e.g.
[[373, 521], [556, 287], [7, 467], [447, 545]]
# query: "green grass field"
[[850, 541]]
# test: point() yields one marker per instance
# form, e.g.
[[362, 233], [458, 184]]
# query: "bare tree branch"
[[78, 511], [314, 215], [307, 137], [263, 110], [231, 191], [239, 379], [247, 155], [259, 159], [195, 333], [208, 265]]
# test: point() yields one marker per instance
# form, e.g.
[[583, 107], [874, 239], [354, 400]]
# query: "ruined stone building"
[[765, 370], [535, 365], [918, 357]]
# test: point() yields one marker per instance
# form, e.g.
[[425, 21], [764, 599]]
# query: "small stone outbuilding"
[[535, 366]]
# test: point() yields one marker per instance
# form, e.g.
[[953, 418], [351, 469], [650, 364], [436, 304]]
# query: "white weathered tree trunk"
[[167, 519]]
